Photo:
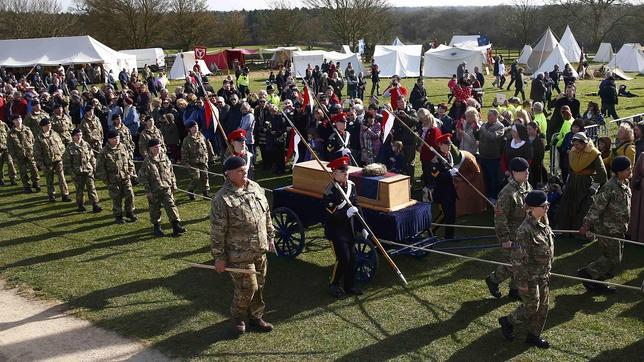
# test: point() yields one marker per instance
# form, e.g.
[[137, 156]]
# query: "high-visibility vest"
[[243, 81]]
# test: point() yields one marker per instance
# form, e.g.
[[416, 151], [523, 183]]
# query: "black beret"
[[89, 107], [233, 162], [44, 122], [15, 116], [620, 163], [77, 131], [112, 132], [519, 164], [35, 101], [115, 116], [536, 198], [153, 142], [190, 124]]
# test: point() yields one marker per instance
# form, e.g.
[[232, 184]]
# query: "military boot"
[[119, 220], [177, 228], [96, 208], [507, 328], [582, 273], [261, 324], [66, 198], [191, 195], [206, 193], [36, 186], [131, 216], [156, 230], [13, 183], [239, 326], [537, 341], [28, 190], [51, 198], [493, 288], [81, 208]]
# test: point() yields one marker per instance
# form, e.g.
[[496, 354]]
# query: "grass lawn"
[[123, 279]]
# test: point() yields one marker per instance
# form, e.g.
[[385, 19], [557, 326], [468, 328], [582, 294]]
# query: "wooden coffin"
[[393, 192]]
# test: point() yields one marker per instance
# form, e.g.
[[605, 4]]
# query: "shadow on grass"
[[631, 352]]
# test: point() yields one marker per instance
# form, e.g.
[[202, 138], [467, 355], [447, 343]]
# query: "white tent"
[[465, 41], [442, 62], [280, 54], [604, 53], [629, 58], [525, 54], [557, 57], [403, 60], [397, 42], [183, 64], [570, 46], [301, 59], [63, 50], [542, 50]]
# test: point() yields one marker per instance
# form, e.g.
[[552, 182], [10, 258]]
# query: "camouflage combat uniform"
[[509, 214], [126, 138], [92, 132], [241, 230], [609, 215], [115, 166], [20, 144], [48, 151], [158, 179], [147, 134], [5, 156], [532, 255], [32, 120], [196, 151], [81, 164], [63, 126]]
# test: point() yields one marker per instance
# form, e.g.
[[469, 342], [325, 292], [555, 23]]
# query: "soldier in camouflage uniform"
[[62, 124], [150, 132], [532, 255], [509, 214], [241, 232], [80, 162], [20, 144], [32, 120], [158, 179], [114, 166], [92, 129], [5, 156], [124, 133], [197, 152], [609, 215], [48, 153]]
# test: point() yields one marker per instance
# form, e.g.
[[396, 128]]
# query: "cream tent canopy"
[[570, 46], [629, 58], [62, 50], [604, 53], [183, 64], [557, 57], [442, 61], [542, 50], [525, 54], [402, 60]]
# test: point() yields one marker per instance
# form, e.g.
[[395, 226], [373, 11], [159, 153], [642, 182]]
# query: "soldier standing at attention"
[[338, 142], [241, 232], [509, 214], [92, 129], [532, 255], [443, 190], [149, 132], [20, 144], [32, 120], [62, 124], [158, 179], [5, 157], [197, 152], [339, 228], [48, 152], [114, 167], [80, 162], [124, 134], [609, 215]]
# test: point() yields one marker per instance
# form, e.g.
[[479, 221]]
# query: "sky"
[[226, 5]]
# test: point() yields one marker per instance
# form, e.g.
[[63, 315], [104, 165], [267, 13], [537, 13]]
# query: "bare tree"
[[351, 20], [597, 17], [129, 23], [189, 22], [232, 28], [523, 17], [34, 19], [283, 24]]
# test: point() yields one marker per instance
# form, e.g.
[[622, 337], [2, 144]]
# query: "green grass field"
[[122, 279]]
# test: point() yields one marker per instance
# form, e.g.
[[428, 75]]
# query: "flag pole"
[[229, 147], [346, 198]]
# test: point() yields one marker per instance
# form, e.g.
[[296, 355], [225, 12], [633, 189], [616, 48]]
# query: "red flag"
[[293, 143], [387, 124], [212, 114], [200, 52], [308, 99]]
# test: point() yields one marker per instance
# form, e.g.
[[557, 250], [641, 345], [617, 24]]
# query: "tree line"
[[182, 24]]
